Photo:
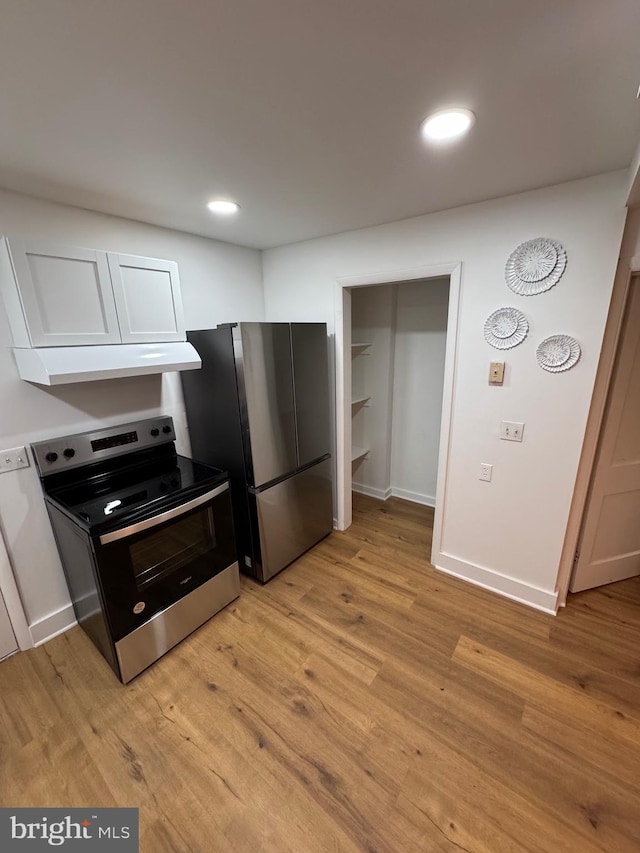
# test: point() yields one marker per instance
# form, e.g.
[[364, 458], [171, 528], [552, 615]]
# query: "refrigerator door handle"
[[256, 490]]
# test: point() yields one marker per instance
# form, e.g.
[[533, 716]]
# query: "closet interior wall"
[[397, 385]]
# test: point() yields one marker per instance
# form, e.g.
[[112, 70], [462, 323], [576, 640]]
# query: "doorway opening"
[[398, 335], [386, 366]]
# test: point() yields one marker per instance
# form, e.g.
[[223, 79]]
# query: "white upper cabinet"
[[57, 295], [66, 294], [147, 294]]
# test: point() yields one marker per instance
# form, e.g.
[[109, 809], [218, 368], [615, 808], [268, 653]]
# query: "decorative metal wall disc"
[[505, 328], [535, 266], [558, 353]]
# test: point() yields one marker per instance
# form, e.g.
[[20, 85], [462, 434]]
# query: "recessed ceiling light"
[[223, 206], [447, 124]]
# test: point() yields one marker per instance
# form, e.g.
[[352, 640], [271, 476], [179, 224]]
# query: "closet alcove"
[[398, 334]]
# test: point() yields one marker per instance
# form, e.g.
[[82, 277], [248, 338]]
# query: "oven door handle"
[[176, 512]]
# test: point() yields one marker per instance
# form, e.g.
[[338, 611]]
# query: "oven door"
[[149, 565]]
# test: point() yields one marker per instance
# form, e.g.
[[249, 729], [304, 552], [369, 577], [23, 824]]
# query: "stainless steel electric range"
[[145, 537]]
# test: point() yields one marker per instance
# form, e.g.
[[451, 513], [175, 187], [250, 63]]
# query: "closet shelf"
[[360, 401], [356, 349], [358, 452]]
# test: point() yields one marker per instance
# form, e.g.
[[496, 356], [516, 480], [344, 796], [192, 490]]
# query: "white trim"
[[12, 599], [342, 332], [55, 623], [633, 196], [451, 350], [397, 276], [393, 492], [414, 497], [371, 491], [342, 341], [516, 590]]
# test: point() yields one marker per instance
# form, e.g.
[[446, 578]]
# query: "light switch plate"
[[511, 430], [496, 373], [12, 459]]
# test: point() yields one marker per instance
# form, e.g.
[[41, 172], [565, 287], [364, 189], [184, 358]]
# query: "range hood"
[[63, 365]]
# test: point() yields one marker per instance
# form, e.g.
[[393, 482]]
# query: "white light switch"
[[11, 460], [511, 430]]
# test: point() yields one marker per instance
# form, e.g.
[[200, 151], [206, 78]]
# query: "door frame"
[[342, 331], [12, 600], [628, 267]]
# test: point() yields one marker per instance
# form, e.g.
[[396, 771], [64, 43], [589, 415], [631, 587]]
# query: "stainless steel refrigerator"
[[259, 407]]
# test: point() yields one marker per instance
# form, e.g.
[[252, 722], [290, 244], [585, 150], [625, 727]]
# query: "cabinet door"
[[66, 294], [147, 294]]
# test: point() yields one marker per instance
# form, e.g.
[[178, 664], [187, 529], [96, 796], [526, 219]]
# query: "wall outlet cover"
[[486, 470], [511, 430], [12, 459], [496, 373]]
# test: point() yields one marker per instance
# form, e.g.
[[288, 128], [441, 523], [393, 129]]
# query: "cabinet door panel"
[[66, 294], [147, 294]]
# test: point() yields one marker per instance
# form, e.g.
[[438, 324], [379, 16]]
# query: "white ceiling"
[[307, 111]]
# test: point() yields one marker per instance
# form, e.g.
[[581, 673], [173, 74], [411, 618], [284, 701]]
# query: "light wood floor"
[[360, 701]]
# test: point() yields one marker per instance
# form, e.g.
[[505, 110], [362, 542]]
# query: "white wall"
[[220, 283], [420, 340], [507, 534]]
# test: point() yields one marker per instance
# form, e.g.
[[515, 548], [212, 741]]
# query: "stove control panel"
[[71, 451]]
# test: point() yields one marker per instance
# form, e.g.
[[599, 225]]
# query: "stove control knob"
[[52, 456], [69, 453], [155, 432], [166, 428]]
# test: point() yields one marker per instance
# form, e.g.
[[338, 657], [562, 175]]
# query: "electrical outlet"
[[485, 472], [511, 431], [11, 460]]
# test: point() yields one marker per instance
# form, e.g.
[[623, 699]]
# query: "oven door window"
[[143, 573], [161, 553]]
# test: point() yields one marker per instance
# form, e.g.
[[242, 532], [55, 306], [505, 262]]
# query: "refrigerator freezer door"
[[265, 385], [311, 385], [293, 515]]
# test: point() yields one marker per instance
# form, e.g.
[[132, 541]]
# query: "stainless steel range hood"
[[63, 365]]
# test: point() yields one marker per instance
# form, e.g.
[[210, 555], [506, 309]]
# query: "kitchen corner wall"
[[506, 535], [220, 283]]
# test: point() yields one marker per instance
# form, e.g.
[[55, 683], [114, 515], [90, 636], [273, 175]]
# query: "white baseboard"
[[55, 623], [361, 489], [516, 590], [415, 497], [383, 494]]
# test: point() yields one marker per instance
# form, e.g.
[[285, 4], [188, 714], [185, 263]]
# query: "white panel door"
[[147, 294], [66, 294], [610, 546], [8, 643]]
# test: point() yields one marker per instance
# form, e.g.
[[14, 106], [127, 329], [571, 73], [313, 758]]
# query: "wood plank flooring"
[[361, 701]]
